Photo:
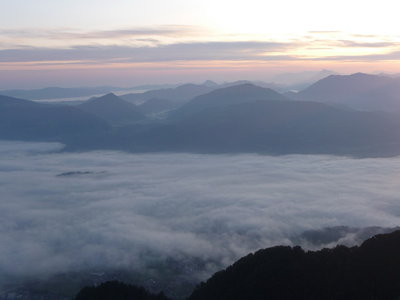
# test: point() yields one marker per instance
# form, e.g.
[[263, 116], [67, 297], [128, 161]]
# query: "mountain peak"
[[245, 90], [210, 83], [227, 96], [361, 75], [110, 95], [107, 97], [113, 109]]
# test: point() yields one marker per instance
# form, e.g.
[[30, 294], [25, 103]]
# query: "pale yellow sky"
[[173, 38]]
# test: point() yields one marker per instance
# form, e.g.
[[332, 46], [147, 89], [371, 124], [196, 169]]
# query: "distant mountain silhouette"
[[267, 85], [243, 118], [370, 271], [275, 127], [302, 78], [186, 92], [156, 105], [232, 95], [113, 109], [210, 83], [358, 91], [181, 93], [57, 92], [28, 120]]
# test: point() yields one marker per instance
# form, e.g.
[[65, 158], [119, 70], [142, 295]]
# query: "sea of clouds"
[[61, 212]]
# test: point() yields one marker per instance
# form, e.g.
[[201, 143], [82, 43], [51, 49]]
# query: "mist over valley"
[[146, 214]]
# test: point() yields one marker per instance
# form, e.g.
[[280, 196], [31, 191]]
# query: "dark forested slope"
[[114, 290], [370, 271]]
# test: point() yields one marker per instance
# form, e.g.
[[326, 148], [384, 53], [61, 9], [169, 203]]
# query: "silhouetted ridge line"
[[113, 109], [370, 271], [238, 94], [358, 91], [27, 120], [114, 290]]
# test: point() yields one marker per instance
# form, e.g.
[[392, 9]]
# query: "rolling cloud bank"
[[63, 212]]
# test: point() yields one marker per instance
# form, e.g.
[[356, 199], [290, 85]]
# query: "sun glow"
[[194, 35]]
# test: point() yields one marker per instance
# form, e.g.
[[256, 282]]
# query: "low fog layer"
[[74, 211]]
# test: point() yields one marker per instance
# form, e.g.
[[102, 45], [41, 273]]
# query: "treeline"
[[116, 290], [370, 271]]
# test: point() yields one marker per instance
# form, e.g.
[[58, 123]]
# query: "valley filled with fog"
[[72, 212]]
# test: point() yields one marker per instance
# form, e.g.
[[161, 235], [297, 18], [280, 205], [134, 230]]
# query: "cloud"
[[247, 50], [67, 34], [357, 44], [392, 55], [125, 209], [172, 43], [192, 51], [326, 32]]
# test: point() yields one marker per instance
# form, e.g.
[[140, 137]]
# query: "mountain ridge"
[[112, 109], [27, 120], [358, 91], [368, 271]]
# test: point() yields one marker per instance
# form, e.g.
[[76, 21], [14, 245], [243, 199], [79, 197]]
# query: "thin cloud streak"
[[198, 51], [355, 44], [391, 56], [67, 34], [183, 51]]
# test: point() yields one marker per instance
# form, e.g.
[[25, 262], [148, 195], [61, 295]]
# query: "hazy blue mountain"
[[181, 93], [304, 78], [386, 98], [243, 118], [369, 271], [149, 87], [267, 85], [187, 92], [358, 91], [156, 105], [271, 127], [27, 120], [113, 109], [340, 88], [280, 127], [232, 95], [210, 83], [57, 92]]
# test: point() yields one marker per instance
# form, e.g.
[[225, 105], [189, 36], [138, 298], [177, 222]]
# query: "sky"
[[126, 43]]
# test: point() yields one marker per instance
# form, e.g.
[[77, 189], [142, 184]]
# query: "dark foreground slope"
[[371, 271], [114, 290]]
